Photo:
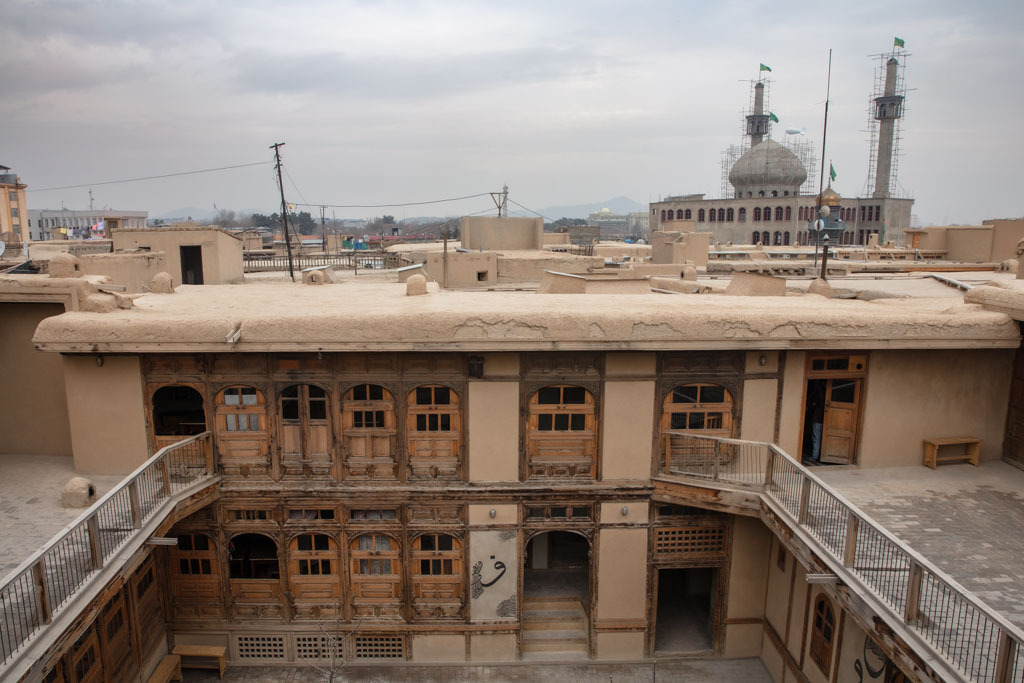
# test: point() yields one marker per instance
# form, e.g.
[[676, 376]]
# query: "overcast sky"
[[566, 102]]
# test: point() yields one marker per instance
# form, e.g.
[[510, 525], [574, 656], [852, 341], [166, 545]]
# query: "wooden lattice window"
[[561, 434], [379, 647], [310, 514], [329, 647], [369, 432], [823, 633], [434, 432], [85, 657], [376, 574], [241, 409], [313, 565], [437, 576], [691, 541], [260, 647], [699, 408], [305, 430]]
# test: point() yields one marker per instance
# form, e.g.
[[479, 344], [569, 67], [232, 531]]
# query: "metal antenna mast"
[[284, 206], [500, 200]]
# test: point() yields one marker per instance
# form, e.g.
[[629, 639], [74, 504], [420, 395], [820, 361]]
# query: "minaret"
[[757, 123], [888, 108]]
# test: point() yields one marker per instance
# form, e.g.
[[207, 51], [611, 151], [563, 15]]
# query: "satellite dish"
[[794, 131]]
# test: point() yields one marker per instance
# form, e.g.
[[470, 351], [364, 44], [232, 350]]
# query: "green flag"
[[896, 42], [773, 117], [831, 171], [765, 67]]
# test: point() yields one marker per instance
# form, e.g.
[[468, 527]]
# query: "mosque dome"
[[767, 167], [830, 197]]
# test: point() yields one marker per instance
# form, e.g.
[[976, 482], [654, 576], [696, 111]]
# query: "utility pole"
[[323, 226], [284, 206], [90, 199]]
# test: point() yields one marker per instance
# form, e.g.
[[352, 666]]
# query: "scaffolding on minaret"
[[874, 129]]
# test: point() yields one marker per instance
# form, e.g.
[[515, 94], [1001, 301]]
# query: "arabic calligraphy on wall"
[[494, 575]]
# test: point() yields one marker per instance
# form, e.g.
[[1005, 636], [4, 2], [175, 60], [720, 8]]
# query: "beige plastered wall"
[[492, 647], [133, 270], [439, 648], [222, 253], [969, 244], [493, 232], [493, 430], [811, 670], [33, 406], [517, 269], [915, 395], [791, 408], [229, 259], [621, 591], [1006, 233], [463, 270], [751, 543], [785, 609], [628, 430], [760, 398], [106, 413]]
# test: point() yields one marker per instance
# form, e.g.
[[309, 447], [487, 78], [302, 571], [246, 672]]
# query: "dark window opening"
[[252, 556], [178, 411]]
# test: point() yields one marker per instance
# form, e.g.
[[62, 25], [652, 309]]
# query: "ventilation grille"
[[260, 647], [379, 647], [690, 540], [318, 647]]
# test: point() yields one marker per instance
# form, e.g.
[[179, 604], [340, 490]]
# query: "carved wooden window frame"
[[116, 635], [725, 409], [306, 417], [385, 426], [823, 633], [314, 572], [544, 426], [438, 593], [368, 585], [86, 662], [437, 427], [160, 440], [188, 561], [228, 412]]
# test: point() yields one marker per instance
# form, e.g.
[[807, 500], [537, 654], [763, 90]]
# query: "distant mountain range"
[[617, 205]]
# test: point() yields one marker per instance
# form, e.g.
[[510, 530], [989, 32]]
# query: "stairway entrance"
[[556, 597]]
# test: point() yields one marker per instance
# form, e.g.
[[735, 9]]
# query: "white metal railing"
[[968, 634], [41, 587]]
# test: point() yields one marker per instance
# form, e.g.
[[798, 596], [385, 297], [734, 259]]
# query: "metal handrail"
[[924, 600], [42, 586]]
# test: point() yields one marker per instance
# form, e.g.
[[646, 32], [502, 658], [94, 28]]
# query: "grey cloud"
[[406, 77]]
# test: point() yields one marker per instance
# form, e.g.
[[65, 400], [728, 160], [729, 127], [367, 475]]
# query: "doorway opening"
[[191, 265], [831, 409], [556, 596], [685, 614]]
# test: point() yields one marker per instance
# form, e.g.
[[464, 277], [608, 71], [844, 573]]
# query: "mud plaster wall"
[[622, 574], [914, 395], [491, 232], [759, 401], [133, 270], [463, 269], [106, 414], [791, 408], [493, 575], [33, 407], [628, 430], [493, 431], [776, 593], [751, 544], [810, 668]]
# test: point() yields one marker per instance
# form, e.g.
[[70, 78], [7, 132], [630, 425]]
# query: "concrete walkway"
[[966, 520], [695, 671]]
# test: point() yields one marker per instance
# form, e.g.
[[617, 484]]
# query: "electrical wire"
[[152, 177], [292, 181], [384, 206], [531, 211]]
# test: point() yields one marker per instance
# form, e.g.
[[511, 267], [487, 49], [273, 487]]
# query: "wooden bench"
[[203, 656], [168, 670], [933, 457]]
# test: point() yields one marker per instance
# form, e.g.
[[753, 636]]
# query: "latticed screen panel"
[[379, 647], [691, 541], [260, 647], [319, 647]]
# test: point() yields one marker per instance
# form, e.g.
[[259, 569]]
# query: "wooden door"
[[305, 425], [369, 433], [838, 437]]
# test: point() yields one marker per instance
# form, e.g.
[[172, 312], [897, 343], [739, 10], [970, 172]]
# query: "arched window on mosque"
[[789, 213], [700, 216], [778, 213], [764, 238], [689, 215], [757, 213], [743, 214], [671, 215], [711, 215], [785, 238], [663, 214], [730, 215], [766, 213], [757, 238]]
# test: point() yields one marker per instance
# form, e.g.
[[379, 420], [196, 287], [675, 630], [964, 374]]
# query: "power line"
[[384, 206], [531, 211], [151, 177], [292, 181]]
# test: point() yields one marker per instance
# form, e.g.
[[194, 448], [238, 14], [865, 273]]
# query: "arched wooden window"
[[777, 238], [671, 215], [663, 214], [561, 433], [305, 425], [437, 576], [700, 409], [313, 567], [778, 213], [757, 213], [689, 214], [712, 214], [785, 238], [743, 214], [721, 215], [764, 238], [700, 216], [823, 630], [241, 425], [766, 213], [730, 215], [376, 574], [178, 412], [194, 570], [369, 433], [789, 213], [434, 432]]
